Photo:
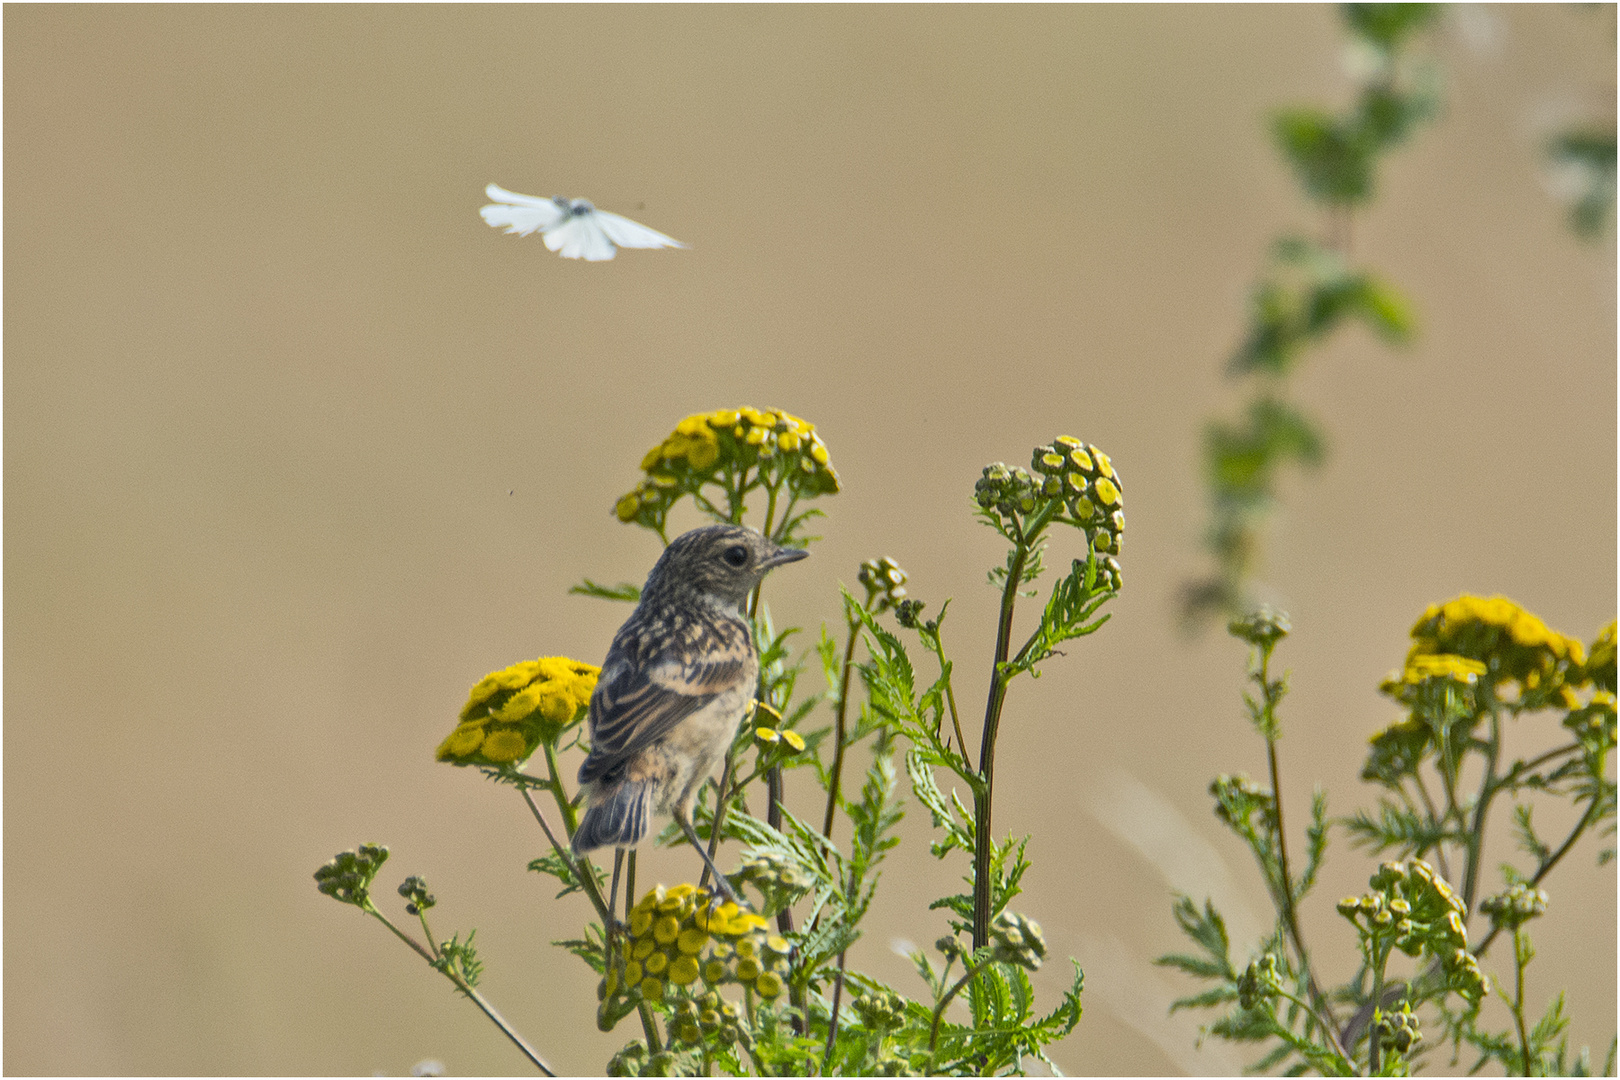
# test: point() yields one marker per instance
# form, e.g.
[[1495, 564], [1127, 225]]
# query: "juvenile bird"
[[678, 680]]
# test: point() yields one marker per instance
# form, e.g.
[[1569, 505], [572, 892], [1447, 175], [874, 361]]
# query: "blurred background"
[[297, 449]]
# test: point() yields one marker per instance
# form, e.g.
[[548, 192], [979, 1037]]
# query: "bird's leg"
[[682, 818], [613, 892]]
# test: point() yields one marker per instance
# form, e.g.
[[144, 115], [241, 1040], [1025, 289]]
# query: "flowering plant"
[[766, 986]]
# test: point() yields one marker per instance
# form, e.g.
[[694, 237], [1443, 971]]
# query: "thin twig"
[[581, 869], [840, 731], [1546, 867], [939, 1009], [433, 958]]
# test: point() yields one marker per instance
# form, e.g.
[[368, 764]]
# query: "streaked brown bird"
[[678, 680]]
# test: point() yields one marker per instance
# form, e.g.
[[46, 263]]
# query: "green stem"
[[569, 812], [466, 989], [982, 797], [840, 732], [832, 1019], [581, 869], [649, 1027], [722, 799], [1546, 867], [1476, 832], [1380, 958], [1321, 1024], [950, 696], [1519, 950], [939, 1009], [1290, 915]]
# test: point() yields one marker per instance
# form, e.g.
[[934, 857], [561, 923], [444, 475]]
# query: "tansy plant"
[[766, 986], [1311, 290], [1477, 670]]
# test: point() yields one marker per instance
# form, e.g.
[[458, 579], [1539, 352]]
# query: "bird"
[[572, 227], [677, 682]]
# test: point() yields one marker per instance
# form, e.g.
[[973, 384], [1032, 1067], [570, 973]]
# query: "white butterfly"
[[572, 227]]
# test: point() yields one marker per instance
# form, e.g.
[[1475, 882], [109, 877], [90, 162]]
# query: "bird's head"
[[721, 562]]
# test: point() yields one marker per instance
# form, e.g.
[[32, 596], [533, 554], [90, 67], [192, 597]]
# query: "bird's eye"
[[736, 556]]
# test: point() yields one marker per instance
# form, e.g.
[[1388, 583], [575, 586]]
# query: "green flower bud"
[[629, 1061], [880, 1010], [1515, 906], [415, 891], [1264, 627], [884, 582], [1018, 940], [1260, 982], [348, 875]]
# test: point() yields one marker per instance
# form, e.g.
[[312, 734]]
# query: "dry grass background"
[[296, 449]]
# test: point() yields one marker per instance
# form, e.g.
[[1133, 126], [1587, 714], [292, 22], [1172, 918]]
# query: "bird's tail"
[[616, 817]]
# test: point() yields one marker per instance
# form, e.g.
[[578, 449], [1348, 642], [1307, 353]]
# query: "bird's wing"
[[635, 703], [521, 214], [580, 237], [632, 234]]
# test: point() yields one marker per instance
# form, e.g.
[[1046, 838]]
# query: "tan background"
[[297, 449]]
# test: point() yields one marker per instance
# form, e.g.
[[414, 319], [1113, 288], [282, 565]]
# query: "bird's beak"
[[784, 555]]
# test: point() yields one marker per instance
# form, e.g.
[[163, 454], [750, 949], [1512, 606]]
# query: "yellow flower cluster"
[[676, 937], [1513, 644], [706, 444], [1421, 668], [512, 711]]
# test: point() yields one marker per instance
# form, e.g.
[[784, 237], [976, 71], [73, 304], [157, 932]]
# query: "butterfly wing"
[[520, 214], [580, 237], [639, 699], [632, 234]]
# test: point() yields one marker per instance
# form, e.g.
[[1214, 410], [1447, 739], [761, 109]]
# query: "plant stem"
[[982, 798], [1290, 915], [1476, 833], [939, 1009], [1380, 957], [722, 791], [1546, 867], [1519, 961], [570, 813], [832, 1019], [950, 697], [432, 957], [649, 1028], [581, 869], [840, 732]]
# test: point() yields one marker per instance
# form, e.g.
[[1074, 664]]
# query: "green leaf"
[[623, 591], [1332, 159], [1387, 25]]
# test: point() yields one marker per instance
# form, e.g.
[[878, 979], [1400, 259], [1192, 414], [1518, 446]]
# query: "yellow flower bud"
[[656, 963], [667, 929], [684, 971], [768, 984], [691, 941]]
